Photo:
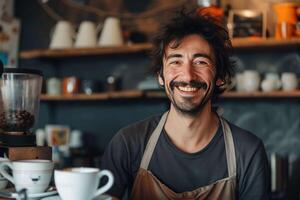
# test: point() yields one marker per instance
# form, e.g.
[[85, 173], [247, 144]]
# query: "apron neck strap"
[[229, 147], [152, 142]]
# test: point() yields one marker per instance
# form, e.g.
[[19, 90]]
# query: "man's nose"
[[188, 72]]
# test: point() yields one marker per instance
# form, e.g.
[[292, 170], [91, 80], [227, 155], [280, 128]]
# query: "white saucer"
[[56, 197], [37, 195]]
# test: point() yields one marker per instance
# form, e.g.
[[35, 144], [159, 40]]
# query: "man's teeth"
[[187, 89]]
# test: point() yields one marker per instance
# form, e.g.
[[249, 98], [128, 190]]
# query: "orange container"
[[285, 30], [286, 12], [70, 85]]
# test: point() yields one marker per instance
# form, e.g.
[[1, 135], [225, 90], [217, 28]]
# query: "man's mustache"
[[196, 84]]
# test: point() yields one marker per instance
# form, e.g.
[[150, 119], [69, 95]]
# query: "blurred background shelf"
[[126, 94], [60, 53], [136, 48], [260, 94], [241, 43], [132, 94], [240, 95]]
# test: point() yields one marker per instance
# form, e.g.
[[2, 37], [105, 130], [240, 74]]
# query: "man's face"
[[189, 74]]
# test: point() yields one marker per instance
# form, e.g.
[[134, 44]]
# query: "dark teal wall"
[[276, 121]]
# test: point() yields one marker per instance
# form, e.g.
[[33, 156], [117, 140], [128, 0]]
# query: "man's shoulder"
[[140, 131], [244, 140]]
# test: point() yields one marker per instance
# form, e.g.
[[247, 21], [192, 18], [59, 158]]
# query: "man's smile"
[[192, 86], [187, 89]]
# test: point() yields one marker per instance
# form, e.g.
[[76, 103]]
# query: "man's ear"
[[219, 82], [160, 80]]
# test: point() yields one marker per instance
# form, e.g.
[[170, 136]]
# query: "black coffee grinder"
[[20, 91]]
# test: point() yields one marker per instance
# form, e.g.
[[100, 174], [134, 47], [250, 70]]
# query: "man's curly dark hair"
[[185, 23]]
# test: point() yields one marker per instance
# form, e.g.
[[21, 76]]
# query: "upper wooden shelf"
[[135, 48], [132, 94], [270, 42], [60, 53]]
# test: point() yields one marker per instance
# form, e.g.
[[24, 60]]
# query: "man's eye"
[[175, 62], [200, 62]]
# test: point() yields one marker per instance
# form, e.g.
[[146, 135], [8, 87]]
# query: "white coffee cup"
[[3, 181], [289, 81], [111, 34], [268, 85], [271, 82], [87, 35], [75, 139], [33, 175], [239, 77], [251, 81], [53, 86], [62, 36], [81, 183]]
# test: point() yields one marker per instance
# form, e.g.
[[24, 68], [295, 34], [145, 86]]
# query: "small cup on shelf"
[[289, 81], [53, 86], [70, 85], [90, 86], [113, 83]]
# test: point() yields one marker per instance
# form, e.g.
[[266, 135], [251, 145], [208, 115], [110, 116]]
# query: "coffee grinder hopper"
[[20, 91]]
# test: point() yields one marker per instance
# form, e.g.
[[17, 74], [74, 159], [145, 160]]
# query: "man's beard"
[[187, 107]]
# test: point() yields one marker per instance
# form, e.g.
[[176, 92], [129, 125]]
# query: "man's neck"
[[191, 133]]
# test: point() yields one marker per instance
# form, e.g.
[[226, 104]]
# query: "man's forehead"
[[176, 47]]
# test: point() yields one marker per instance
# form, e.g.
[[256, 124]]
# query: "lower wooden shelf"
[[260, 94], [97, 96], [133, 94]]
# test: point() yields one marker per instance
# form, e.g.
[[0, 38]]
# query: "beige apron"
[[147, 187]]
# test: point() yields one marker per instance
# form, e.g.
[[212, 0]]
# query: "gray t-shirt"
[[182, 171]]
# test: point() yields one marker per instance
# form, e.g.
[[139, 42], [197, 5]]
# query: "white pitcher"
[[62, 36], [111, 34], [87, 35]]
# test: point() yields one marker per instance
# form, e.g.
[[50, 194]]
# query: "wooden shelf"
[[240, 95], [260, 94], [240, 43], [98, 96], [133, 94], [60, 53], [135, 48]]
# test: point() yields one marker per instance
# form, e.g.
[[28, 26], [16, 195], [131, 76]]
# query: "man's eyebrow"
[[202, 55], [173, 55]]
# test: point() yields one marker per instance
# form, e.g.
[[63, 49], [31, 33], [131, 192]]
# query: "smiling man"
[[189, 152]]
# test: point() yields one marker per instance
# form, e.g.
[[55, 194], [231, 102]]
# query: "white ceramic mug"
[[289, 81], [271, 82], [111, 34], [268, 85], [75, 139], [87, 35], [3, 181], [81, 183], [33, 175], [53, 86], [62, 36], [239, 77], [251, 81]]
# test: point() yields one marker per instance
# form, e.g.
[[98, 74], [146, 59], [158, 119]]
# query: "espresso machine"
[[20, 91]]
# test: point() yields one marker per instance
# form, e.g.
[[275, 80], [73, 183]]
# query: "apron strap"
[[152, 142], [229, 147]]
